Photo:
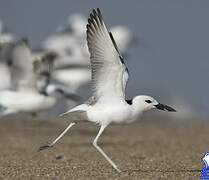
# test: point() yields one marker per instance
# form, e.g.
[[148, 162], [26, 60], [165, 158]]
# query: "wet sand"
[[144, 150]]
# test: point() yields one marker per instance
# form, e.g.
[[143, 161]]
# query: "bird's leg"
[[57, 139], [101, 151]]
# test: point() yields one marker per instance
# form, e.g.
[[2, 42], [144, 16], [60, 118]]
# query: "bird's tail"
[[78, 113]]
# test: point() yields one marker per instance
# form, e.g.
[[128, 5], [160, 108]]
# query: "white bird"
[[109, 77], [25, 96], [5, 77], [5, 37], [70, 44], [46, 84], [71, 68], [69, 41], [123, 37], [1, 26], [75, 25], [7, 42]]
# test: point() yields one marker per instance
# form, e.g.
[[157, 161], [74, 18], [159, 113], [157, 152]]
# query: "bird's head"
[[23, 42], [146, 103]]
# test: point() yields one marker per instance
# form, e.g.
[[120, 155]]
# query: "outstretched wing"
[[109, 73]]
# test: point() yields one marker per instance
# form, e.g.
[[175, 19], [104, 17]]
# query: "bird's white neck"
[[139, 106], [137, 111]]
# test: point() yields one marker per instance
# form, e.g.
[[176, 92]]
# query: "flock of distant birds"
[[34, 80]]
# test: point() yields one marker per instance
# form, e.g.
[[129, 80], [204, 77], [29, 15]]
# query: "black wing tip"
[[93, 16], [99, 12], [96, 11]]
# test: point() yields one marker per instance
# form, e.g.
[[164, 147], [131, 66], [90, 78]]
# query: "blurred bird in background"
[[72, 67], [7, 41], [51, 77], [23, 95]]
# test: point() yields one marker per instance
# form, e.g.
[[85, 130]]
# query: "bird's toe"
[[46, 146]]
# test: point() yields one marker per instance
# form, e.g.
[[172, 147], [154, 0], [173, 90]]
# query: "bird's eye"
[[148, 101]]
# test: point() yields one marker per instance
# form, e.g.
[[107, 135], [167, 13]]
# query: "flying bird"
[[109, 78]]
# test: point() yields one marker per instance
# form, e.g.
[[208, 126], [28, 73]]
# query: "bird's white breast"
[[107, 112]]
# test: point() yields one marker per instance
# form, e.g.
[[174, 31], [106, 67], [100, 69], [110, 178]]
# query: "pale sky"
[[174, 62]]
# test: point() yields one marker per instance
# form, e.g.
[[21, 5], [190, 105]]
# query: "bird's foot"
[[118, 170], [46, 146]]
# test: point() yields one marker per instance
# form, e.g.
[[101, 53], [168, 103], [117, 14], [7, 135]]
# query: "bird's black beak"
[[164, 107]]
